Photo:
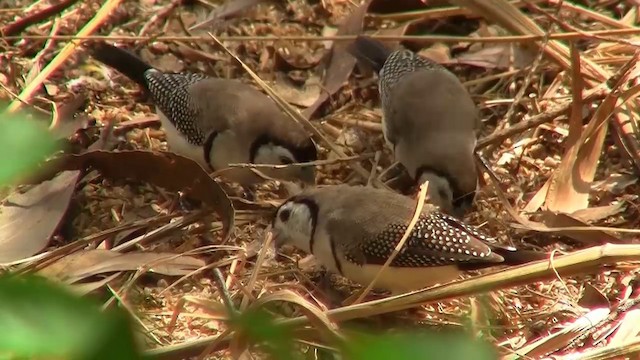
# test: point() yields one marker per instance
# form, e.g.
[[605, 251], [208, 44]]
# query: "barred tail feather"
[[369, 51], [122, 60]]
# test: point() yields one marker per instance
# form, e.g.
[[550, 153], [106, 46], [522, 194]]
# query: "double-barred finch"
[[219, 121], [429, 120], [352, 231]]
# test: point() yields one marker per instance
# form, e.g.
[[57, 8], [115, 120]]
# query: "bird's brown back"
[[230, 104]]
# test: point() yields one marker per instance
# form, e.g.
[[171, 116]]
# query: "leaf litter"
[[563, 182]]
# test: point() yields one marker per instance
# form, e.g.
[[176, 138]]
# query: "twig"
[[224, 293], [254, 275], [579, 262], [422, 38], [374, 167], [304, 164], [527, 79], [61, 58], [596, 94], [36, 17]]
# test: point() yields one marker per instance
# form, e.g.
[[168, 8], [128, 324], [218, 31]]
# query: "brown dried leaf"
[[341, 63], [225, 11], [595, 237], [627, 328], [159, 168], [80, 265], [592, 298], [598, 213], [288, 57], [304, 96], [568, 190], [499, 56], [438, 52], [28, 220]]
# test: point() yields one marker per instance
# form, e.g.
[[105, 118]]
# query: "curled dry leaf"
[[499, 56], [304, 96], [341, 63], [588, 238], [168, 170], [81, 265], [593, 298], [223, 12], [28, 220]]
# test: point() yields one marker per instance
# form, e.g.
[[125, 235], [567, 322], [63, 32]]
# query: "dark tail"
[[369, 51], [513, 256], [122, 60]]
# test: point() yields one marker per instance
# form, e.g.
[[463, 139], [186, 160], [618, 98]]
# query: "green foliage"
[[23, 144], [421, 345], [259, 327], [41, 319]]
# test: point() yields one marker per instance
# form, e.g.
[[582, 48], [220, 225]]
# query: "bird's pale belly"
[[178, 143], [400, 279]]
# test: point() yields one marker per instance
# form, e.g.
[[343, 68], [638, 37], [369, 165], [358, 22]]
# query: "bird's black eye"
[[284, 215], [285, 160]]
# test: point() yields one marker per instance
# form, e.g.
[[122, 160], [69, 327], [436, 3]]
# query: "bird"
[[352, 231], [429, 121], [217, 121]]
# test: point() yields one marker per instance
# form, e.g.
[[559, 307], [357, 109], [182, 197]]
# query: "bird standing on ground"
[[352, 231], [217, 122], [429, 120]]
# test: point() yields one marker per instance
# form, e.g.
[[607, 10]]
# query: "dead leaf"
[[570, 184], [627, 328], [301, 96], [592, 298], [167, 62], [593, 214], [159, 168], [225, 11], [80, 265], [437, 52], [615, 183], [28, 220], [89, 287], [341, 63], [589, 238], [499, 56], [288, 57]]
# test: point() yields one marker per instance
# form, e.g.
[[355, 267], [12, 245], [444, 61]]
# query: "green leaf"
[[422, 345], [260, 327], [23, 144], [41, 319]]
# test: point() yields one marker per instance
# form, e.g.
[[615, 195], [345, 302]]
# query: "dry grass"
[[534, 82]]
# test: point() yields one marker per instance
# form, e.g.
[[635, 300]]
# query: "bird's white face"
[[279, 155], [293, 224]]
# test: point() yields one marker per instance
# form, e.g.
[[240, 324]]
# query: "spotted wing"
[[436, 240], [171, 95]]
